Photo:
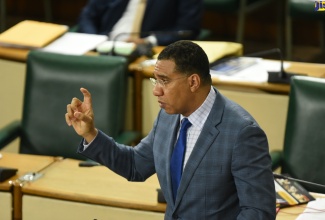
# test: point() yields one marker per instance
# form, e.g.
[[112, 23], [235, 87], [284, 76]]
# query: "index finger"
[[86, 94]]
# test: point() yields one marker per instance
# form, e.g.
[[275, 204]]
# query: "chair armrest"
[[128, 137], [277, 158], [9, 133]]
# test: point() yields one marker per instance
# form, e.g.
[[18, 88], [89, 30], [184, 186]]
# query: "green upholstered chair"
[[52, 80], [302, 10], [240, 7], [303, 155]]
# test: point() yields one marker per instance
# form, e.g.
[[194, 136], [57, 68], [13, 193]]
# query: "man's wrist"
[[90, 136]]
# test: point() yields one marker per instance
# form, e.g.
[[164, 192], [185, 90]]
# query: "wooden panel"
[[40, 208], [5, 205]]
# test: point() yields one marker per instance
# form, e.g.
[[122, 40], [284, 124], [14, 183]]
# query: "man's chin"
[[169, 111]]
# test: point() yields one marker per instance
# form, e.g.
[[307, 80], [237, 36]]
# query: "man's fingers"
[[67, 119], [82, 117], [75, 103], [76, 116], [76, 109], [69, 116], [69, 111]]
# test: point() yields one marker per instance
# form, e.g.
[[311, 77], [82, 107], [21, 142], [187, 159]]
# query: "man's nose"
[[157, 90]]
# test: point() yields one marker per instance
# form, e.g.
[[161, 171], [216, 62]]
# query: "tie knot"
[[185, 124]]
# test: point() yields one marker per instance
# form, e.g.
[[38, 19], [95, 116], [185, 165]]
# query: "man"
[[227, 167], [167, 19]]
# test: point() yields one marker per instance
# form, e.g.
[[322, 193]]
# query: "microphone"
[[146, 49], [274, 76], [280, 176]]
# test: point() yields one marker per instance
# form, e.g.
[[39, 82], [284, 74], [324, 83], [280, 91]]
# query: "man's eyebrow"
[[160, 75]]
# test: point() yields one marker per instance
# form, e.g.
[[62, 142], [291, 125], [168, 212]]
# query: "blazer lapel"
[[208, 134], [174, 126]]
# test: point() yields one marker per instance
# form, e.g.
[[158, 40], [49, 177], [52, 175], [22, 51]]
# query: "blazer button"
[[175, 216]]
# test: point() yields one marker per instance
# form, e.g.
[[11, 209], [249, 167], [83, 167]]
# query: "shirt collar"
[[199, 116]]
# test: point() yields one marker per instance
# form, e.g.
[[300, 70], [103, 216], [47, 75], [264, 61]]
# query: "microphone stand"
[[280, 176], [275, 76], [282, 76]]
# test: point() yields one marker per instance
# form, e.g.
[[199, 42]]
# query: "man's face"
[[172, 89]]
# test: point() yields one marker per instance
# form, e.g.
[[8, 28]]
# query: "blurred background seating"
[[302, 10], [261, 30], [239, 8]]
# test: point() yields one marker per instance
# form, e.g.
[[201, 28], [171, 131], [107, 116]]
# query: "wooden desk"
[[292, 213], [24, 164], [311, 69], [89, 193], [15, 54], [86, 193]]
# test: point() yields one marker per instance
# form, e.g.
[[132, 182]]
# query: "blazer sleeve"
[[133, 163], [100, 16], [89, 19], [251, 168]]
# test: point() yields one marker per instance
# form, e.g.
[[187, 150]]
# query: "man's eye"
[[165, 81]]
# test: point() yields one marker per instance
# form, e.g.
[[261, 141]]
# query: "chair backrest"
[[52, 80], [240, 7], [304, 145], [221, 5], [305, 10]]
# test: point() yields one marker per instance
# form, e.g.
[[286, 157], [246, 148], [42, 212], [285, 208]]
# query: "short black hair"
[[189, 58]]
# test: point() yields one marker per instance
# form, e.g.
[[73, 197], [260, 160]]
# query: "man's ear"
[[194, 82]]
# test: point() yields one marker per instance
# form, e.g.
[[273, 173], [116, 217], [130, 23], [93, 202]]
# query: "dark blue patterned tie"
[[176, 163]]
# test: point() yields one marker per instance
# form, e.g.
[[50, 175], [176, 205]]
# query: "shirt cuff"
[[86, 145]]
